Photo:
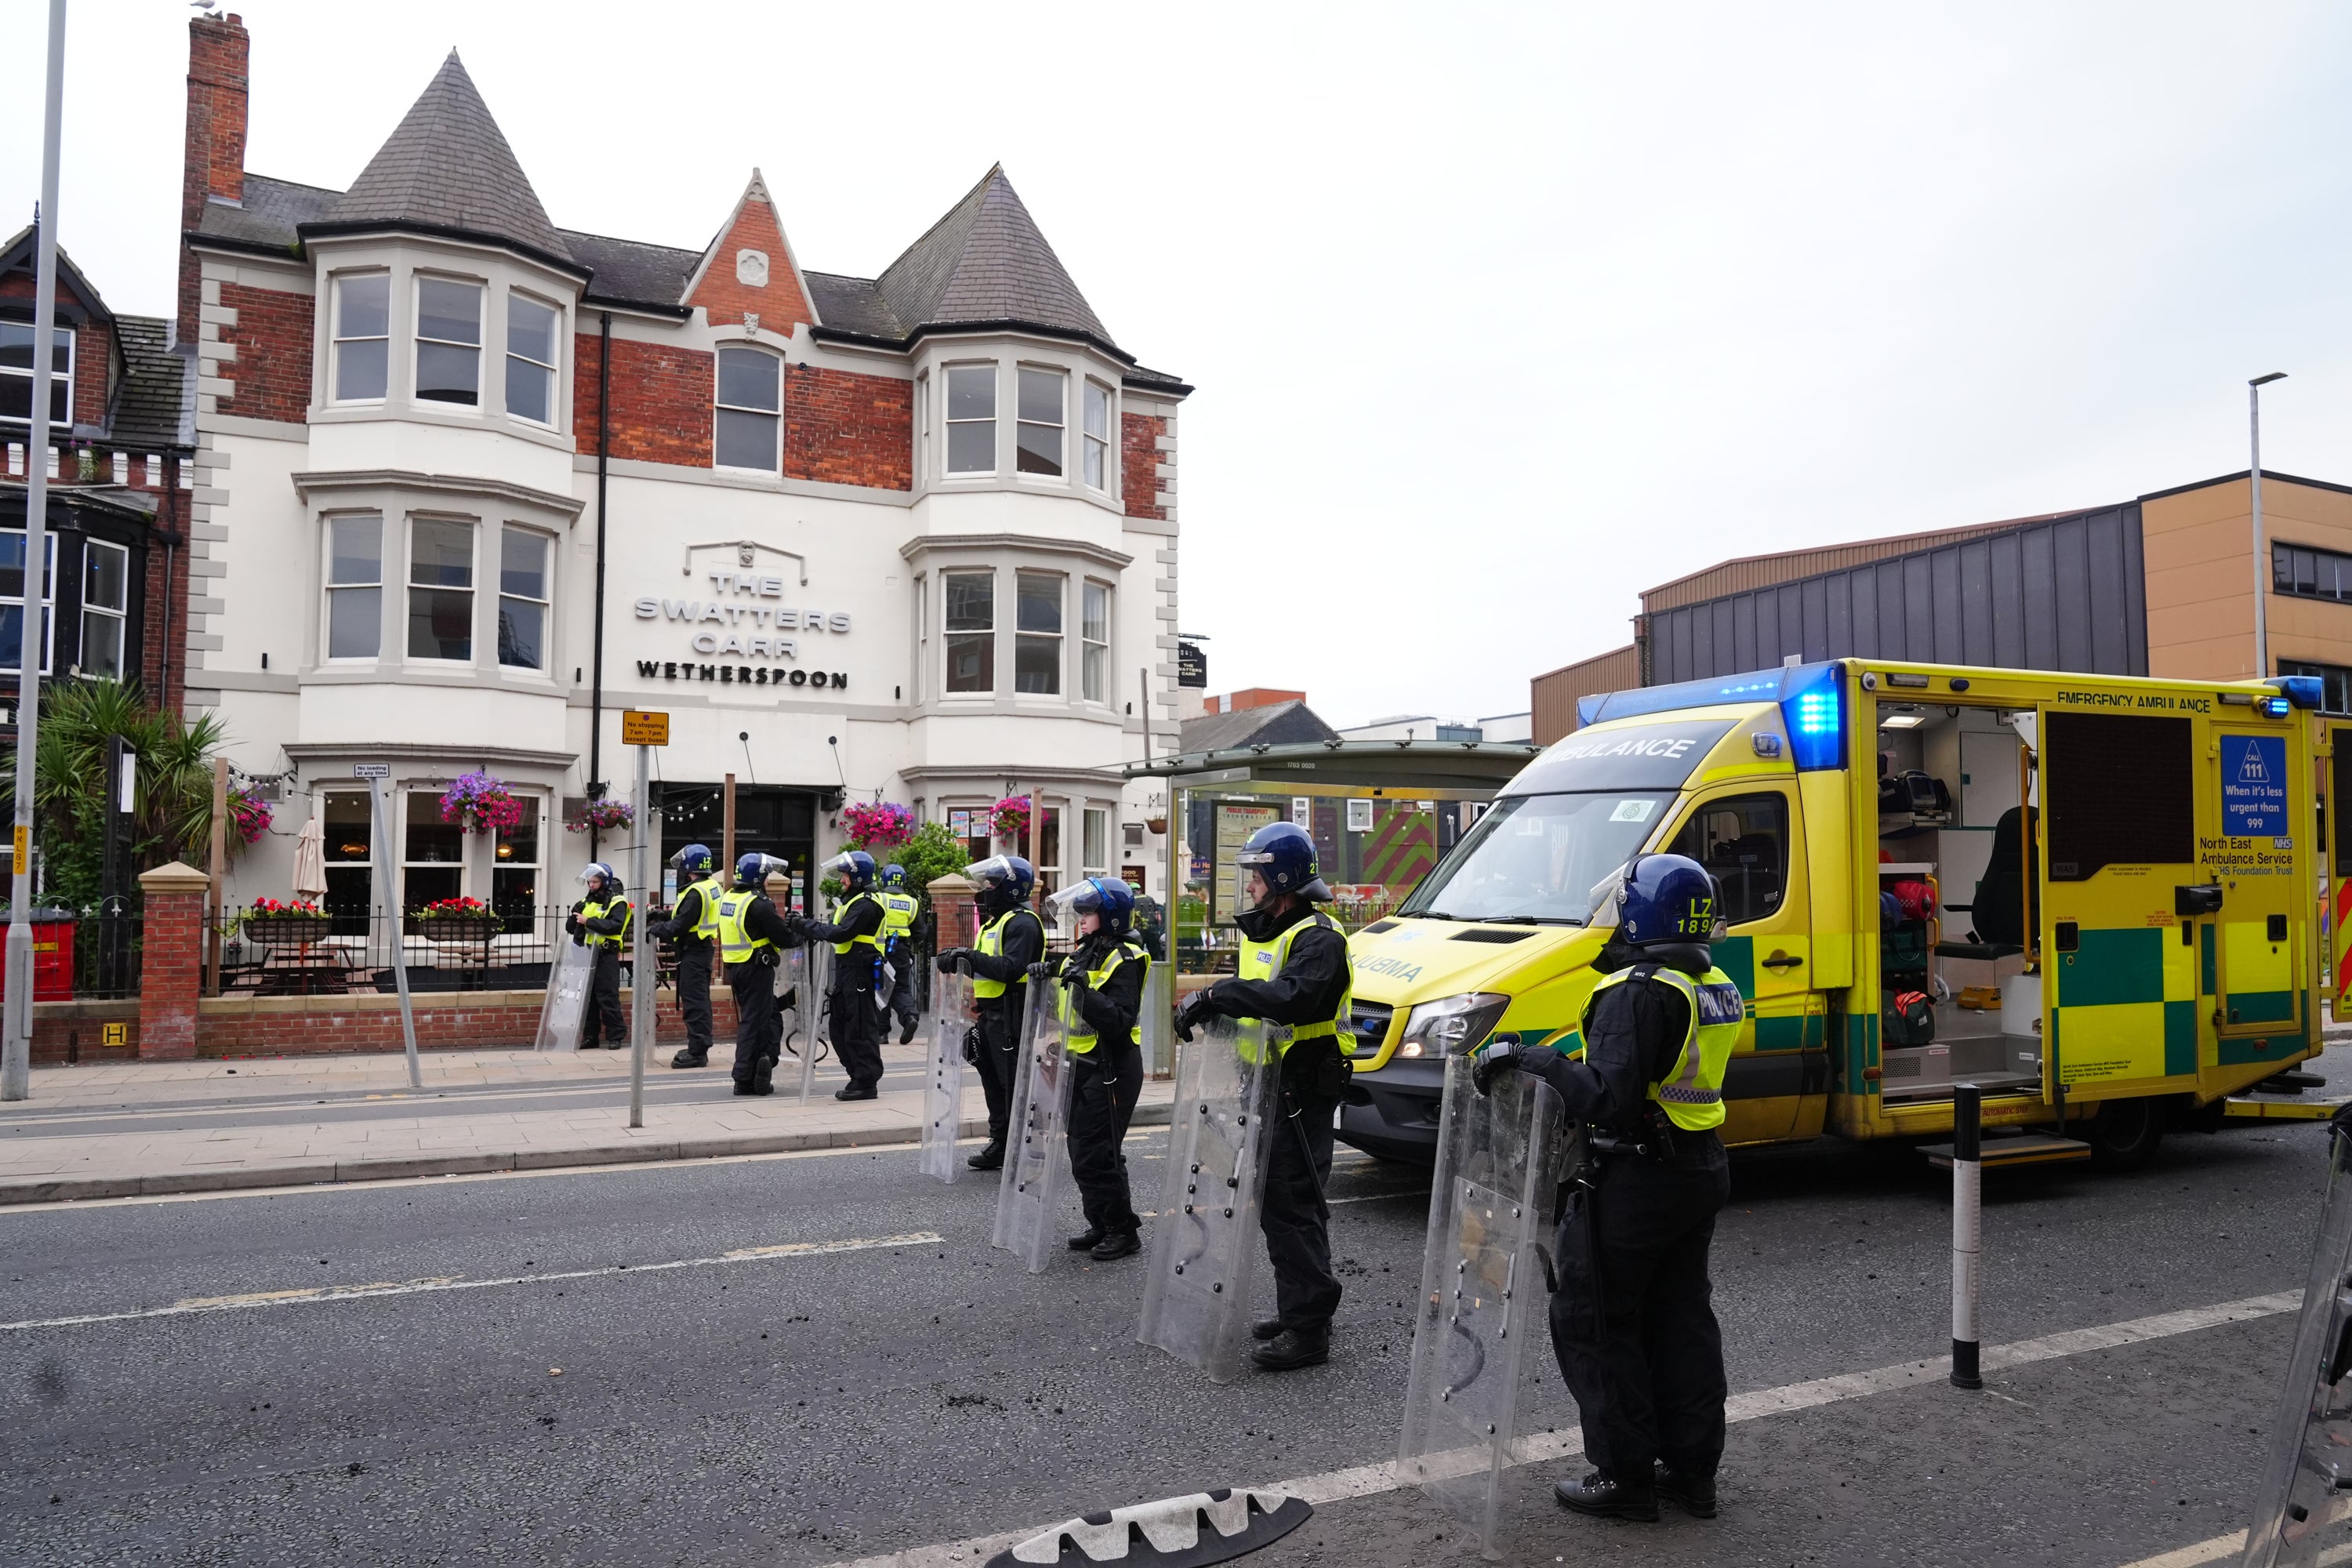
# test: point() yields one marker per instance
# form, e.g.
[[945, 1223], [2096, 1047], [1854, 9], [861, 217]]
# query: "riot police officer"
[[900, 908], [601, 922], [1292, 970], [1010, 938], [1101, 995], [1632, 1323], [692, 929], [750, 933], [856, 932]]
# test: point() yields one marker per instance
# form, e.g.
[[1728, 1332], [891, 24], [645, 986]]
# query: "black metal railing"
[[351, 952]]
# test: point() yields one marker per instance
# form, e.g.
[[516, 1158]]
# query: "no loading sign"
[[2253, 786]]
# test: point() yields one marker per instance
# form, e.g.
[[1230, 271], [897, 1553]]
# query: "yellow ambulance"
[[2093, 896]]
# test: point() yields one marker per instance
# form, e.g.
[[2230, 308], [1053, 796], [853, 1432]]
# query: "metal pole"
[[641, 952], [16, 1008], [2262, 567], [219, 869], [110, 880], [596, 659], [399, 935], [1968, 1229], [727, 828]]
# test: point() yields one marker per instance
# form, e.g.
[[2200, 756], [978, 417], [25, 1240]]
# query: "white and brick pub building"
[[468, 484]]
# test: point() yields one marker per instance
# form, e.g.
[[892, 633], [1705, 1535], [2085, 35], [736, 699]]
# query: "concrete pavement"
[[132, 1129]]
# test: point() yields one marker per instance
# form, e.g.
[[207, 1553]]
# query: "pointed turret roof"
[[447, 169], [986, 262]]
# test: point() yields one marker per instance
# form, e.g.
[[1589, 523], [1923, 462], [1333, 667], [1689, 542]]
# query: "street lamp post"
[[2261, 566], [16, 1008]]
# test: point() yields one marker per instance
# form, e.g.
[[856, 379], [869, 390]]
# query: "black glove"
[[949, 960], [971, 1047], [1073, 968], [1196, 1008], [1492, 1062]]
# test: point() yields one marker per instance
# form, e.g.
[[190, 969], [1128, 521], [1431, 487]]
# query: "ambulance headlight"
[[1451, 1024]]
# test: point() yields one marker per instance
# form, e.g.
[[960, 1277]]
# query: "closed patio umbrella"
[[310, 858]]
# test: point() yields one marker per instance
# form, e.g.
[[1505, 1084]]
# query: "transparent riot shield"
[[1037, 1156], [943, 1084], [2303, 1510], [567, 997], [817, 1010], [1155, 1022], [1196, 1298], [1484, 1290]]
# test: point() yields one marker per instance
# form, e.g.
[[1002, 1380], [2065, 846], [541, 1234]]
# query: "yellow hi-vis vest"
[[898, 911], [1692, 1094], [706, 925], [991, 940], [841, 912], [1264, 960], [736, 944], [594, 909], [1079, 1033]]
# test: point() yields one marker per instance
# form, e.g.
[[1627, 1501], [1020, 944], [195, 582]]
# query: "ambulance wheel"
[[2123, 1135]]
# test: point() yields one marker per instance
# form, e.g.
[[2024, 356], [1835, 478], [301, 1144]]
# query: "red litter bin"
[[53, 955]]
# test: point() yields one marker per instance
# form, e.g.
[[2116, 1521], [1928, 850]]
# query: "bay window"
[[449, 341], [522, 598], [972, 419], [749, 410], [12, 599], [1040, 432], [440, 589], [105, 604], [1037, 635], [1094, 634], [970, 604], [355, 586], [363, 337], [531, 342], [1095, 464]]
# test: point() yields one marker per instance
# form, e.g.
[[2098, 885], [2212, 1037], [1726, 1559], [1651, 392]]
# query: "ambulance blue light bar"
[[1811, 698], [2307, 692]]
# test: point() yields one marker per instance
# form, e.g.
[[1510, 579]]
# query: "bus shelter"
[[1381, 814]]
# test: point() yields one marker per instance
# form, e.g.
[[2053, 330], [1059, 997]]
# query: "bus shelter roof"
[[1436, 767]]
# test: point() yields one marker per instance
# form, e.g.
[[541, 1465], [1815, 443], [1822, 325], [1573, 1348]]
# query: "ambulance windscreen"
[[1628, 756], [1540, 859]]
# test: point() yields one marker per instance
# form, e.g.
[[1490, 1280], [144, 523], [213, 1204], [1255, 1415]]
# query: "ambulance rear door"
[[2251, 952]]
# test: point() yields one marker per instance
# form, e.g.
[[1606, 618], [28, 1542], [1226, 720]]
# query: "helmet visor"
[[995, 868], [840, 865], [1608, 900], [1081, 898], [594, 869]]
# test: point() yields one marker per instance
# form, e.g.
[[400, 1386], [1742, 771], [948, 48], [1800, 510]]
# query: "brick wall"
[[661, 401], [335, 1026], [171, 971], [849, 429], [76, 1031], [1139, 463], [272, 367], [213, 151], [727, 300]]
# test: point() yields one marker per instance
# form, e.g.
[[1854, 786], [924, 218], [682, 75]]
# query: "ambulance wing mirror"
[[2190, 902]]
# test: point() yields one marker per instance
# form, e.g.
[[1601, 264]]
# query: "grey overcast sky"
[[1497, 315]]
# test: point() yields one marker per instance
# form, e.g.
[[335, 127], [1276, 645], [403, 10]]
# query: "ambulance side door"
[[1750, 837]]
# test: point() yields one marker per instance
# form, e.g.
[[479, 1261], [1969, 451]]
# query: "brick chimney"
[[214, 159]]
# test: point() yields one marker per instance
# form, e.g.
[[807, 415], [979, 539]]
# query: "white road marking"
[[1369, 1480], [299, 1297]]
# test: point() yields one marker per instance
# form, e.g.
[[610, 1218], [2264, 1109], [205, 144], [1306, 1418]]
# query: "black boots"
[[1695, 1495], [907, 1031], [1116, 1245], [989, 1159], [1266, 1327], [1603, 1497], [1087, 1239], [690, 1058], [853, 1091], [1294, 1348]]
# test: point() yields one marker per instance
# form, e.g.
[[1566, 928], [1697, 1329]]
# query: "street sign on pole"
[[644, 728], [641, 959], [376, 773]]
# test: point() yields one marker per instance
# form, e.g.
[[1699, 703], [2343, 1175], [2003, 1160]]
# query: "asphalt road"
[[850, 1391]]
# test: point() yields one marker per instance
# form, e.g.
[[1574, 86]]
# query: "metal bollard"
[[1968, 1229]]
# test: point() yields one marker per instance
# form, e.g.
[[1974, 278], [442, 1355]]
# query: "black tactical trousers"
[[758, 1026], [902, 991], [1296, 1219], [999, 1059], [694, 994], [1633, 1324], [1102, 1103], [604, 1001], [856, 1022]]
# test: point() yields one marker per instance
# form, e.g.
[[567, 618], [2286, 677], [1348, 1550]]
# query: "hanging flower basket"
[[603, 816], [464, 920], [481, 802], [1010, 817], [882, 826], [273, 924], [249, 816]]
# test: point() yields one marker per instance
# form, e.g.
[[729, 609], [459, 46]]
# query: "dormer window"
[[449, 341], [749, 412], [17, 375], [531, 359]]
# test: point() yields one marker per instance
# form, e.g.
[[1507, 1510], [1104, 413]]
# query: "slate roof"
[[852, 305], [271, 216], [985, 261], [1276, 724], [628, 272], [147, 404], [448, 166]]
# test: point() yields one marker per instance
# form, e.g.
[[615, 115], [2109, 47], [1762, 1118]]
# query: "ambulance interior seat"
[[1999, 911]]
